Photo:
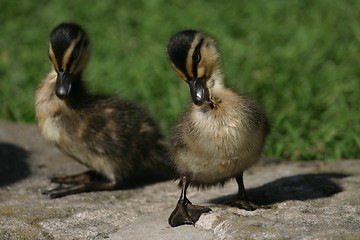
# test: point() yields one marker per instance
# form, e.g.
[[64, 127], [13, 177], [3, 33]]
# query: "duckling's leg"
[[83, 182], [243, 201], [185, 212]]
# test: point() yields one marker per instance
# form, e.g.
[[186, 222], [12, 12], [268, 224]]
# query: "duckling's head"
[[197, 61], [69, 52]]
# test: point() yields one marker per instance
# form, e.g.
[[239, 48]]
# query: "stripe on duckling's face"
[[74, 57], [194, 60], [202, 58], [178, 50], [71, 54], [194, 57], [196, 80], [53, 58]]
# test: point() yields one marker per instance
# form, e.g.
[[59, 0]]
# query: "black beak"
[[198, 90], [63, 85]]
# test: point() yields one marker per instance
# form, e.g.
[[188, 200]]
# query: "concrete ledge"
[[309, 200]]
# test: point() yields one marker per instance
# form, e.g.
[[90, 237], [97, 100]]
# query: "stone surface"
[[308, 200]]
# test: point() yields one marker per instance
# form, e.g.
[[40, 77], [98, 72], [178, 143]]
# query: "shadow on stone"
[[13, 165], [299, 187]]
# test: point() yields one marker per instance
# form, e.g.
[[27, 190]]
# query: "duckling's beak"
[[198, 90], [63, 85]]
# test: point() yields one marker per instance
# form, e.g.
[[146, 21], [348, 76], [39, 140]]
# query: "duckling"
[[116, 139], [221, 134]]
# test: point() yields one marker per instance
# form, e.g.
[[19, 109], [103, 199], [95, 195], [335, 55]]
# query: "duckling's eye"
[[196, 57]]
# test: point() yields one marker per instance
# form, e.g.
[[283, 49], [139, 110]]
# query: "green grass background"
[[299, 59]]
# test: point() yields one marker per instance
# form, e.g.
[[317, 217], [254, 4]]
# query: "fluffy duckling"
[[222, 133], [114, 138]]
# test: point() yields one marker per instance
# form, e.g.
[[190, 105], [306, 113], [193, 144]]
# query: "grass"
[[299, 59]]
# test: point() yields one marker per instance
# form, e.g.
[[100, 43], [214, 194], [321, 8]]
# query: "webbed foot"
[[83, 182], [186, 213]]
